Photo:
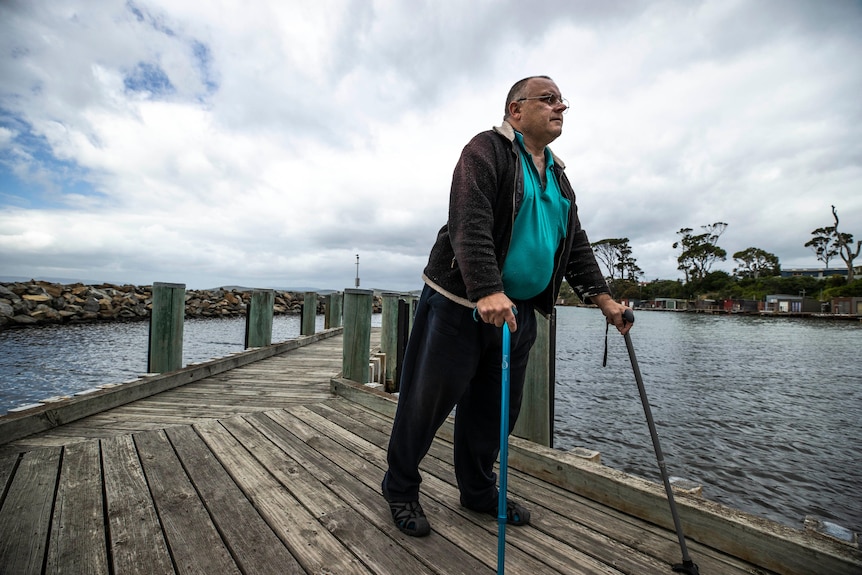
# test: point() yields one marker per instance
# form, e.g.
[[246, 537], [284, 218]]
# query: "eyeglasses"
[[551, 100]]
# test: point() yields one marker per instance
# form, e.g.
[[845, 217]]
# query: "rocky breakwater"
[[38, 303]]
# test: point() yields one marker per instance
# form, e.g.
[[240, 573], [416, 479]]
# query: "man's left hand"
[[613, 311]]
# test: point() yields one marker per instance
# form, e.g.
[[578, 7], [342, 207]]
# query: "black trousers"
[[453, 361]]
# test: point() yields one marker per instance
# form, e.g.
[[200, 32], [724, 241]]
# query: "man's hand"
[[613, 311], [497, 308]]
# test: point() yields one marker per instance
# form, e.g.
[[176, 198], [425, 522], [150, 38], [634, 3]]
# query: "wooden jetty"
[[268, 462]]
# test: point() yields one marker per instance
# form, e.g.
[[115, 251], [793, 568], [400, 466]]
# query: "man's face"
[[535, 118]]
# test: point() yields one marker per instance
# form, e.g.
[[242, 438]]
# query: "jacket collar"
[[507, 131]]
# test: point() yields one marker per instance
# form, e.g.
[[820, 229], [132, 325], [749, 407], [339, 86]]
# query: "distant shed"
[[783, 303]]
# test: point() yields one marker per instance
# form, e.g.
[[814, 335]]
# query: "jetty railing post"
[[358, 307], [258, 319], [405, 318], [534, 421], [389, 338], [412, 302], [332, 310], [309, 313], [327, 311], [338, 311], [166, 328]]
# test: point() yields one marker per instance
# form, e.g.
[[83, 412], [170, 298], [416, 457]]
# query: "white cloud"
[[268, 143]]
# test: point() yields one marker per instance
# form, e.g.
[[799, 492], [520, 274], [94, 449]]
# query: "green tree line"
[[755, 275]]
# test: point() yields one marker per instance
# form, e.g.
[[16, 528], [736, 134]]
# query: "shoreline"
[[39, 303]]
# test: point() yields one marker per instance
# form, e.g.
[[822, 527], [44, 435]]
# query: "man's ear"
[[515, 109]]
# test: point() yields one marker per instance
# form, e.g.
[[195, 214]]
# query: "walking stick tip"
[[689, 567]]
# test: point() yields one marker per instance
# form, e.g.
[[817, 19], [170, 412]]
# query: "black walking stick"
[[687, 565]]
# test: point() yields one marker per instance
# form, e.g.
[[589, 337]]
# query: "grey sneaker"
[[516, 514], [410, 518]]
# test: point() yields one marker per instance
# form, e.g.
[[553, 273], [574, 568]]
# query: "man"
[[513, 234]]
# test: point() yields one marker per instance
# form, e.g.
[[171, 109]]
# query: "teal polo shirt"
[[539, 227]]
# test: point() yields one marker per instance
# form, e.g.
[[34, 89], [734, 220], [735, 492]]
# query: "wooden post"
[[534, 421], [166, 328], [327, 310], [332, 317], [389, 338], [412, 302], [358, 304], [404, 319], [309, 313], [258, 319]]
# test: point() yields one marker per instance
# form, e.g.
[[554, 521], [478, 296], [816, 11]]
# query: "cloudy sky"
[[267, 143]]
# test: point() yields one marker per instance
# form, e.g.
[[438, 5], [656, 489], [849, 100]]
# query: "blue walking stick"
[[502, 517]]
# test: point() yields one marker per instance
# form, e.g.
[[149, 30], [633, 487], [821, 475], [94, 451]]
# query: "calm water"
[[37, 363], [766, 414]]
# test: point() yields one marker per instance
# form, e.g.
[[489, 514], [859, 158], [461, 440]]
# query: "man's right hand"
[[497, 308]]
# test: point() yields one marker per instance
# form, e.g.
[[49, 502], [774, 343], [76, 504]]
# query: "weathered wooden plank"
[[316, 549], [596, 530], [136, 540], [603, 530], [555, 553], [367, 461], [437, 553], [255, 547], [194, 542], [77, 543], [599, 528], [599, 520], [26, 513], [8, 463], [766, 544], [593, 535], [374, 549], [361, 478], [248, 389]]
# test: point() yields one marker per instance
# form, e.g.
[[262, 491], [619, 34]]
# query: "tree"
[[699, 252], [828, 242], [629, 268], [608, 252], [616, 255], [754, 262], [663, 288], [567, 295], [845, 247], [823, 244]]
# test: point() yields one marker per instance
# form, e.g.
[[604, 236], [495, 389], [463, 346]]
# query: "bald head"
[[519, 90]]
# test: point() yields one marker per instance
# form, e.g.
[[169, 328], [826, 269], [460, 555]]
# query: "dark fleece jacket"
[[487, 189]]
